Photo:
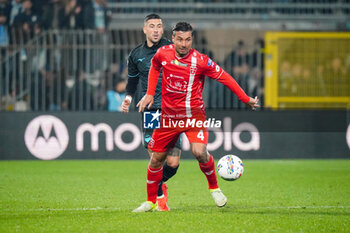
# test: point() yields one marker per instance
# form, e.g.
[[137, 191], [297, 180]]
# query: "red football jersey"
[[183, 81]]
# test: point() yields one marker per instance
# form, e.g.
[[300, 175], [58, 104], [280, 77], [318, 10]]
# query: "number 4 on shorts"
[[200, 135]]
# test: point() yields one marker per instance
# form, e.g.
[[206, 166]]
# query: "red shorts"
[[164, 139]]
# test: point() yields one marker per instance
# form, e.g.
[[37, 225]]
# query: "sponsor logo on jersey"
[[151, 120], [176, 62], [46, 137]]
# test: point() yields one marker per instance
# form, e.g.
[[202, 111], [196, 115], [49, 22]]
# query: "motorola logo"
[[46, 137]]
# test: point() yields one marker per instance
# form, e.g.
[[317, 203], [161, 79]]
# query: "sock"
[[160, 190], [168, 172], [209, 171], [154, 176]]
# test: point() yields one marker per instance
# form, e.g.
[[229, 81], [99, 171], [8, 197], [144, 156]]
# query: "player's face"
[[153, 30], [182, 42]]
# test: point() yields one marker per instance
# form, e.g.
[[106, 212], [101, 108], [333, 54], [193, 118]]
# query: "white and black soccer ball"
[[230, 167]]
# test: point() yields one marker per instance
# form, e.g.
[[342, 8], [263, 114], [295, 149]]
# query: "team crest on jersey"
[[176, 62], [193, 70], [163, 63]]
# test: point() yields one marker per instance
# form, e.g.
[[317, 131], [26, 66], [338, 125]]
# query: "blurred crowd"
[[246, 64], [30, 17], [235, 1], [328, 78], [23, 20], [87, 70]]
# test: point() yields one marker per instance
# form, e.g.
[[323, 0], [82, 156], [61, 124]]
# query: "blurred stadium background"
[[67, 58], [61, 61]]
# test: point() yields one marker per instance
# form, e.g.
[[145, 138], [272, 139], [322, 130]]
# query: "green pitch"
[[98, 196]]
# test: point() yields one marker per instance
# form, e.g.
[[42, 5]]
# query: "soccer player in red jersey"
[[184, 71]]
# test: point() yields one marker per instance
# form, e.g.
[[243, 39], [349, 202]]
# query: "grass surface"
[[98, 196]]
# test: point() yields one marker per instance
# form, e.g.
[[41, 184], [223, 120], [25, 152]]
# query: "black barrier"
[[103, 135]]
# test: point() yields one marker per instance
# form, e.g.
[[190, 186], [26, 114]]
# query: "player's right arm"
[[153, 75], [131, 87]]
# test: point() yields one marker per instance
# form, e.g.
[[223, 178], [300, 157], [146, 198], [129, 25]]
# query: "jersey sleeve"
[[153, 77], [211, 69], [133, 76], [229, 81], [132, 68], [214, 71], [156, 63]]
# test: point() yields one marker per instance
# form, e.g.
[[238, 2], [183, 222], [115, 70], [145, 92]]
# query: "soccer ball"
[[230, 167]]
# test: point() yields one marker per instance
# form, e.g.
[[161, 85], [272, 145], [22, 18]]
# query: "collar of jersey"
[[153, 46]]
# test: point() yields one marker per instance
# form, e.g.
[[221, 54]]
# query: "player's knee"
[[173, 161], [155, 162], [157, 159], [200, 154]]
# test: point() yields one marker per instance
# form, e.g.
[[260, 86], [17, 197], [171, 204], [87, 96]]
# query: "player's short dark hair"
[[183, 27], [151, 16]]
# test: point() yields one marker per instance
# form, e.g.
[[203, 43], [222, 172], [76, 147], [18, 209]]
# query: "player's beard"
[[182, 51]]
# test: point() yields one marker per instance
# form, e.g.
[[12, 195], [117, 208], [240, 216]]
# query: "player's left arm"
[[153, 75], [214, 71], [133, 80]]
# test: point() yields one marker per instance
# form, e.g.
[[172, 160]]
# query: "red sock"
[[154, 176], [209, 171]]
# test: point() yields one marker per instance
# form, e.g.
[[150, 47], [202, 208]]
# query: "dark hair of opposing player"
[[183, 27], [151, 16]]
